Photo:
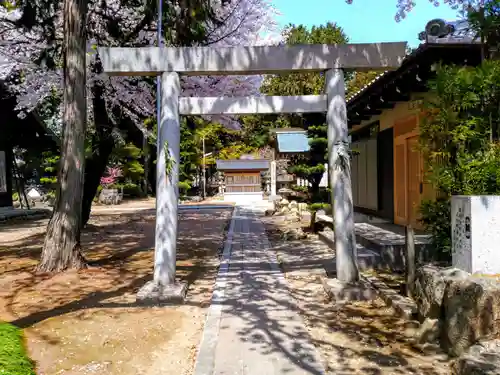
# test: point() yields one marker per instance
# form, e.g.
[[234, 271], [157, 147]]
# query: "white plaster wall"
[[480, 252], [324, 179]]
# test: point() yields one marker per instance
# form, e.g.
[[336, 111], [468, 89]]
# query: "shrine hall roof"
[[242, 165], [292, 141]]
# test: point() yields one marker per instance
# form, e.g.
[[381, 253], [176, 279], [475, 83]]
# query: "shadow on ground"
[[81, 318], [353, 338], [87, 316]]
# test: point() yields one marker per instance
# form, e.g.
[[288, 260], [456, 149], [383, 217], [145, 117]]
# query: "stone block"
[[480, 359], [293, 217], [344, 292], [429, 331], [475, 223], [284, 210], [154, 294], [430, 284], [471, 313], [270, 212], [403, 306], [294, 234], [275, 198], [302, 206]]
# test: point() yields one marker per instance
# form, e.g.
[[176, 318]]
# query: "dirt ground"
[[87, 322], [353, 338]]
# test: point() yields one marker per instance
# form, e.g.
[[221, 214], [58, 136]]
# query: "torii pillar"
[[169, 62]]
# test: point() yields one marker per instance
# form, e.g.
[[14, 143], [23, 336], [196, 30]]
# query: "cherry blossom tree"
[[403, 7], [31, 60]]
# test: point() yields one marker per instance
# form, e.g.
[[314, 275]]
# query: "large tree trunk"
[[61, 249], [95, 167]]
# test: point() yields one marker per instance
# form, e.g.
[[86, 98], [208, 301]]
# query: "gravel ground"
[[87, 322], [352, 338]]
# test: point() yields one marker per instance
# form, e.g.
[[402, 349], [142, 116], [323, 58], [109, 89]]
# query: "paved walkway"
[[253, 327]]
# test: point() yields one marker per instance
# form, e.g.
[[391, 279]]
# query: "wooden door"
[[415, 181], [400, 181]]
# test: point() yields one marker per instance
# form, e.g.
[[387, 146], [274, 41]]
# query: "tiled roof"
[[242, 165], [293, 141], [462, 34]]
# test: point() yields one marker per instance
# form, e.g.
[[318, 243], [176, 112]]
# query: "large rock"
[[429, 331], [293, 217], [430, 284], [294, 234], [284, 210], [293, 204], [480, 359], [471, 313], [270, 212], [302, 207]]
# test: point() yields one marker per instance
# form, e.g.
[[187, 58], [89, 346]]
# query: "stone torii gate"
[[170, 62]]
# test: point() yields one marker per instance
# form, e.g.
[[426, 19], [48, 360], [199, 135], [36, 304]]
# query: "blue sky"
[[364, 20]]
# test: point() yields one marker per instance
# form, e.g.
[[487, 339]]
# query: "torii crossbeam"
[[170, 62]]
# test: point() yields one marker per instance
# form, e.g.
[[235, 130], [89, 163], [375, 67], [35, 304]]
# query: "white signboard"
[[3, 172], [461, 233], [475, 223]]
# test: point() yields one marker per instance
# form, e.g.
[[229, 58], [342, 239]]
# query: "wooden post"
[[273, 177], [339, 172], [410, 259]]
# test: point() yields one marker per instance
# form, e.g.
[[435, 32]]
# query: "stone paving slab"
[[258, 328]]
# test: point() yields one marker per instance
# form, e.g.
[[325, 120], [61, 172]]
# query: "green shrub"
[[184, 187], [13, 358], [459, 142], [15, 197], [300, 189], [314, 207], [436, 219], [132, 190]]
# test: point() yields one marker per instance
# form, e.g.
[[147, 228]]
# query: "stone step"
[[387, 243], [12, 215], [390, 245], [367, 258]]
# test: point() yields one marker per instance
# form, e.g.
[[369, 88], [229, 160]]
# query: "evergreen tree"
[[310, 165]]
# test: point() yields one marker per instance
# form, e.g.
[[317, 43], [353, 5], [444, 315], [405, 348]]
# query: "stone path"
[[253, 326]]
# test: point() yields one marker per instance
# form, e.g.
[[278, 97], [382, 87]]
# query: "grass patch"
[[13, 358]]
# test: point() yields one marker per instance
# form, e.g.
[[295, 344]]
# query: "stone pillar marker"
[[475, 233], [273, 177], [163, 287], [339, 172]]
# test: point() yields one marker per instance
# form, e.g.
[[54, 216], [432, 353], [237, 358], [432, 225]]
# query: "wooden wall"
[[364, 174], [385, 172], [243, 182], [397, 149]]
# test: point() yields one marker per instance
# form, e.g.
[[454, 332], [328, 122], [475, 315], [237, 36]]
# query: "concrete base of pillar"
[[154, 294]]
